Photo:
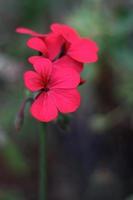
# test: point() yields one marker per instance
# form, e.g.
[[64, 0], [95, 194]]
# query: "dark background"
[[91, 159]]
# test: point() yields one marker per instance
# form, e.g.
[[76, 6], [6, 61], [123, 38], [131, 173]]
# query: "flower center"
[[45, 89]]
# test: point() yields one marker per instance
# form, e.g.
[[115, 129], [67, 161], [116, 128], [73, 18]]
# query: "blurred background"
[[89, 156]]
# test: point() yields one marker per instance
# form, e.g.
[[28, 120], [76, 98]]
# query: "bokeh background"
[[89, 156]]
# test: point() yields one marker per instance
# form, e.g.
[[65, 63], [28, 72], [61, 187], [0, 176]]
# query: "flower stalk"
[[43, 159]]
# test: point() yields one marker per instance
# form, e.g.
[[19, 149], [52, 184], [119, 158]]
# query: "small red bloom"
[[80, 49], [56, 87], [62, 41]]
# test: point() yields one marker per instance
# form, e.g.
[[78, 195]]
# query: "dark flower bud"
[[20, 115]]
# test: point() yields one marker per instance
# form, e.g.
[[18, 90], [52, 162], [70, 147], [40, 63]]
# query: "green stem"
[[42, 186]]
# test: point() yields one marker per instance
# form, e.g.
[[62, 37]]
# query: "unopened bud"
[[82, 81], [20, 115]]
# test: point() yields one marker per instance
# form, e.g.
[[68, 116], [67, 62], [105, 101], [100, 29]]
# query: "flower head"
[[56, 87], [57, 69], [62, 41], [80, 49]]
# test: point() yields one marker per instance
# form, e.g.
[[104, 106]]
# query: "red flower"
[[62, 41], [56, 87], [80, 49]]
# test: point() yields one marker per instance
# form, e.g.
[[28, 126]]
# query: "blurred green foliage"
[[14, 158], [112, 29], [10, 195]]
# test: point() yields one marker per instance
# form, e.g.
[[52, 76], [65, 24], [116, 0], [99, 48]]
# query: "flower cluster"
[[56, 75]]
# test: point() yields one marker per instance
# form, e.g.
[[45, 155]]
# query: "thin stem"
[[42, 186]]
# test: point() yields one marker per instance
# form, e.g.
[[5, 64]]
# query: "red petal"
[[66, 100], [37, 44], [43, 66], [54, 44], [33, 81], [66, 31], [33, 59], [66, 61], [84, 50], [44, 108], [64, 78], [27, 31]]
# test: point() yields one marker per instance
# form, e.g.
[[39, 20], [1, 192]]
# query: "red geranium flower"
[[62, 41], [80, 49], [56, 87], [50, 46]]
